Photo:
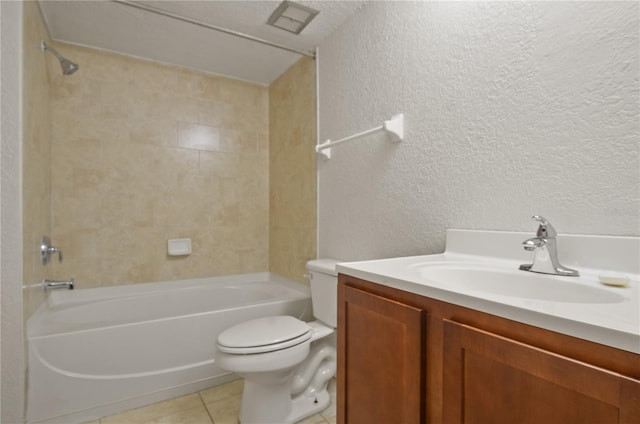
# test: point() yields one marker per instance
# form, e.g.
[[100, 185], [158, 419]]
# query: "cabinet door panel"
[[489, 378], [381, 347]]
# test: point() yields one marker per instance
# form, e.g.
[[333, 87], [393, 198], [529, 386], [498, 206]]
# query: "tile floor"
[[218, 405]]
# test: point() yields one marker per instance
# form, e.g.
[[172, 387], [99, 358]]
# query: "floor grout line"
[[205, 407]]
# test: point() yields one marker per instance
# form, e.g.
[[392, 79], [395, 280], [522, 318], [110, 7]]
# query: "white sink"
[[479, 270], [515, 283]]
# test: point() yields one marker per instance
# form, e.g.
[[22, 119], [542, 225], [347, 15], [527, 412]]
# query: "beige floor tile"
[[197, 415], [225, 411], [330, 412], [314, 419], [222, 392], [218, 405], [93, 422], [157, 410]]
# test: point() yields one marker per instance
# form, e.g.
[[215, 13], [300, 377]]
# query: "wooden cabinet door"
[[380, 360], [492, 379]]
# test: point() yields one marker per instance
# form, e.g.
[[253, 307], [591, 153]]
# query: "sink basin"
[[520, 284], [479, 270]]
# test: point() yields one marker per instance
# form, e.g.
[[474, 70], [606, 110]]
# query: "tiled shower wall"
[[36, 152], [143, 153], [292, 171]]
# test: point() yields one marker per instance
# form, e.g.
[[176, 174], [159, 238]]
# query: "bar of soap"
[[615, 280]]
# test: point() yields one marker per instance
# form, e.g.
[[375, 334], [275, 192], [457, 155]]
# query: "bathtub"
[[97, 352]]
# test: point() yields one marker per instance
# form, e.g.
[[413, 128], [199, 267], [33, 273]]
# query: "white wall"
[[12, 365], [512, 109]]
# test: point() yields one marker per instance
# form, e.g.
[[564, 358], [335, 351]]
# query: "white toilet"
[[286, 363]]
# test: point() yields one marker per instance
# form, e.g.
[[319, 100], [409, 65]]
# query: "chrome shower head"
[[68, 67]]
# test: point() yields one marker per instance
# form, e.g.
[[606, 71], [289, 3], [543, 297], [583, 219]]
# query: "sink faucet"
[[546, 252]]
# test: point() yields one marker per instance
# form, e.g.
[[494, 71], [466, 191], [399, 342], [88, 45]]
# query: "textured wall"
[[292, 170], [36, 155], [11, 347], [512, 109], [144, 152]]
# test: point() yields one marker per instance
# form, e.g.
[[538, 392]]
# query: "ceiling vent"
[[292, 17]]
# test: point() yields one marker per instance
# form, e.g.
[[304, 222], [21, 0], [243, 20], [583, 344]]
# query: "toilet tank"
[[323, 279]]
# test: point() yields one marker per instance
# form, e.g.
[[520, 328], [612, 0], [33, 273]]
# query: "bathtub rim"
[[71, 298]]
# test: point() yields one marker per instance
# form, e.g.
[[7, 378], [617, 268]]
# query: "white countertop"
[[616, 323]]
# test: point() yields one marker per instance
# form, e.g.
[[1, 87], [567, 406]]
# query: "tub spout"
[[57, 284]]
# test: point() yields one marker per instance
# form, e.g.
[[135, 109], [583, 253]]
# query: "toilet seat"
[[264, 335]]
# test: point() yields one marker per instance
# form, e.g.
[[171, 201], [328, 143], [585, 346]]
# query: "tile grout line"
[[205, 408]]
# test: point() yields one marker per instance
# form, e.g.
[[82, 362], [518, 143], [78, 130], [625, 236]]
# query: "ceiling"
[[123, 29]]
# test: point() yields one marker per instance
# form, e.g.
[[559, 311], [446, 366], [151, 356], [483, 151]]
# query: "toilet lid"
[[264, 335]]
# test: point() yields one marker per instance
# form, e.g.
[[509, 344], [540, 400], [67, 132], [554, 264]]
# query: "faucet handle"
[[545, 229], [46, 250]]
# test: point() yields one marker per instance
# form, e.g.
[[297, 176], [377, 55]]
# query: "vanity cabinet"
[[405, 358], [493, 379], [381, 359]]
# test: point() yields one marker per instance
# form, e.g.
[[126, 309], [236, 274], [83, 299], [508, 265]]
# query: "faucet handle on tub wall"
[[46, 250], [545, 229]]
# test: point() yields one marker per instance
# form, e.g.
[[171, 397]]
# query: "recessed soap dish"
[[179, 247]]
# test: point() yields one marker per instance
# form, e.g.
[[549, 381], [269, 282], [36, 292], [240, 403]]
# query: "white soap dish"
[[179, 247]]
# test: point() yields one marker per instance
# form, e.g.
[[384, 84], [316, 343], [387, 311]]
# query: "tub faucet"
[[57, 284], [544, 245]]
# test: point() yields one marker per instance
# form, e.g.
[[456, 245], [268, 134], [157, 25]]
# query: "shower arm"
[[44, 46]]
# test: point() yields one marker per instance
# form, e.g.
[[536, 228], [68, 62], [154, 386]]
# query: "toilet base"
[[303, 407], [268, 407], [278, 394]]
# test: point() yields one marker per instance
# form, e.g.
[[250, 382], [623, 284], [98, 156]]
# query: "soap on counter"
[[614, 279]]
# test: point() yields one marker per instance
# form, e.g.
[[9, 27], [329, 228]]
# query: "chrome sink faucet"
[[544, 245]]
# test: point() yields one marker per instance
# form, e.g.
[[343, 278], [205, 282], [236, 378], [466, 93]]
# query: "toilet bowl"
[[286, 362]]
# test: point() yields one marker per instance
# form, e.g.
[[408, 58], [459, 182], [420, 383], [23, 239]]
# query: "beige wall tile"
[[36, 154], [154, 131], [292, 171], [68, 128], [177, 161], [239, 141], [131, 171], [220, 164], [213, 113], [126, 174]]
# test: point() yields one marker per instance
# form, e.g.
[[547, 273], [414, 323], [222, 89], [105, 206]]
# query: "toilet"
[[286, 363]]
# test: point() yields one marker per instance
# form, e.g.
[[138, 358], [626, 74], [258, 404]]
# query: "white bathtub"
[[97, 352]]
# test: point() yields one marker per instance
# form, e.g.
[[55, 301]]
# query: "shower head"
[[68, 67]]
